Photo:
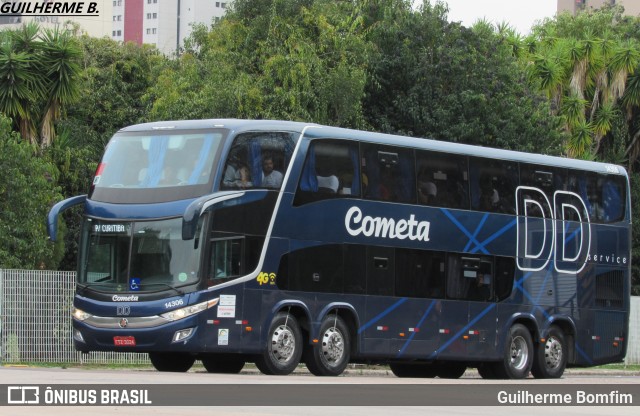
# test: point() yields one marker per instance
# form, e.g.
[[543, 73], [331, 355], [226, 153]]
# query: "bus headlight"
[[185, 312], [80, 315]]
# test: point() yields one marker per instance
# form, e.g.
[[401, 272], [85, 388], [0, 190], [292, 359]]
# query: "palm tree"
[[61, 56], [22, 86], [40, 74]]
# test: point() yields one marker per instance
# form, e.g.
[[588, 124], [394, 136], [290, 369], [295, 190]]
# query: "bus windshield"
[[144, 167], [138, 256]]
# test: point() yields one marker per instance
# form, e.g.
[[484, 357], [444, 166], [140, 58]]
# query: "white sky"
[[519, 14]]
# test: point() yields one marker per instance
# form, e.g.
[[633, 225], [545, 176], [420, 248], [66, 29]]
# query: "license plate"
[[124, 341]]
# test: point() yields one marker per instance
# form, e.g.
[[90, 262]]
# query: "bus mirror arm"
[[57, 209], [198, 207]]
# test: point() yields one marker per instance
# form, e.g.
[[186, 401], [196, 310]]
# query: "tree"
[[28, 190], [589, 67], [432, 78], [300, 60], [41, 70], [583, 64], [60, 55], [114, 79]]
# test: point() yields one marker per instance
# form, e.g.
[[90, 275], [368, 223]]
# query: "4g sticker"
[[265, 278]]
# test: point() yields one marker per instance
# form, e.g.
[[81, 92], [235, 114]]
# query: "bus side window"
[[505, 273], [442, 180], [493, 185], [226, 259], [331, 170], [257, 160], [470, 278], [420, 273], [389, 173], [613, 198], [547, 180]]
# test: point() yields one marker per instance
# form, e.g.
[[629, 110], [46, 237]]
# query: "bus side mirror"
[[195, 209], [57, 209]]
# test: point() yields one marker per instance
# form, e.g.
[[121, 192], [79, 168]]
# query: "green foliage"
[[595, 85], [42, 70], [114, 80], [438, 79], [111, 87], [302, 60], [27, 191]]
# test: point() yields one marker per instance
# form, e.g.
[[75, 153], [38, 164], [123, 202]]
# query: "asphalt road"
[[280, 390]]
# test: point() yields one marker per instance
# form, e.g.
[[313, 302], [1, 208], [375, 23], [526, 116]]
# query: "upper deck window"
[[258, 160], [156, 167]]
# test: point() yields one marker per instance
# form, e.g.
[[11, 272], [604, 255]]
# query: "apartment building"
[[631, 7], [163, 23]]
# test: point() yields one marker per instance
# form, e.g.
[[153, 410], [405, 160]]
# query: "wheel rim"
[[283, 344], [332, 346], [553, 353], [519, 353]]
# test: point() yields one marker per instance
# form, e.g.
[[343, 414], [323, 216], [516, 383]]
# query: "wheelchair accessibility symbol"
[[134, 284]]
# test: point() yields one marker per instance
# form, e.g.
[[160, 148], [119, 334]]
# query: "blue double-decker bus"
[[280, 243]]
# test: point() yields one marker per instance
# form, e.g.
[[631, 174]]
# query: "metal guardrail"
[[35, 322]]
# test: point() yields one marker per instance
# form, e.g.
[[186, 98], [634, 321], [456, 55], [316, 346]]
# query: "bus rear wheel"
[[551, 356], [284, 346], [223, 363], [173, 362], [487, 371], [330, 356], [451, 370], [421, 370], [518, 354]]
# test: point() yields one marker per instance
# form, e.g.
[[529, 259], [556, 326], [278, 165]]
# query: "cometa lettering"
[[130, 298], [357, 223]]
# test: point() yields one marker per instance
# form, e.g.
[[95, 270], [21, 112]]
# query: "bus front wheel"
[[518, 354], [329, 356], [284, 346], [171, 362], [551, 355]]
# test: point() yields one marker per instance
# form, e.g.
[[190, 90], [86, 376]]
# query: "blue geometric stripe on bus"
[[544, 283], [419, 325], [382, 315], [536, 302], [573, 234], [518, 285], [583, 354], [570, 300], [462, 331], [533, 302], [462, 228], [478, 228], [494, 236]]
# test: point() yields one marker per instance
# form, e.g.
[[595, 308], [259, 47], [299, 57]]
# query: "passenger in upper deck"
[[237, 175], [270, 178]]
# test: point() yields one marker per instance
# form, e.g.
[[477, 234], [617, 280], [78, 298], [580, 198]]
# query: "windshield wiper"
[[178, 291], [84, 287]]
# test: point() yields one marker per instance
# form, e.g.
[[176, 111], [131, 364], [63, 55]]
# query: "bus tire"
[[487, 371], [551, 356], [284, 346], [451, 370], [330, 356], [518, 354], [422, 370], [223, 363], [173, 362]]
